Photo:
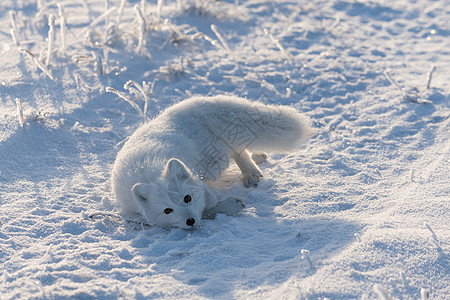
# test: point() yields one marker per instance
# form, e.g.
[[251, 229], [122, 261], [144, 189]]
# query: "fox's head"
[[176, 200]]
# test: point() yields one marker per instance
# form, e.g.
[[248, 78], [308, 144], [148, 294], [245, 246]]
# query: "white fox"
[[162, 171]]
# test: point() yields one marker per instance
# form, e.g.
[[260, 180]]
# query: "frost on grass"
[[51, 37], [142, 29], [14, 30], [20, 112], [306, 257], [216, 31], [277, 43], [140, 90], [208, 8], [108, 32], [62, 25], [412, 94], [38, 63]]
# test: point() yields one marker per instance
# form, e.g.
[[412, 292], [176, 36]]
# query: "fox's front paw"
[[251, 179], [230, 206]]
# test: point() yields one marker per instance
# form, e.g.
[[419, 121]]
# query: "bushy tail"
[[275, 128], [255, 126]]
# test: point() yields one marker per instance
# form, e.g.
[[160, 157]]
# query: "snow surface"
[[361, 211]]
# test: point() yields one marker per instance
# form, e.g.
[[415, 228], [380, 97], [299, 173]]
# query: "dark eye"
[[187, 199], [168, 211]]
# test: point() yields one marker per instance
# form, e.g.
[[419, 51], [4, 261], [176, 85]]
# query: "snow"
[[360, 211]]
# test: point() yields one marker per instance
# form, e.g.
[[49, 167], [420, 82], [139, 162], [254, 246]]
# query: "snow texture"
[[360, 211]]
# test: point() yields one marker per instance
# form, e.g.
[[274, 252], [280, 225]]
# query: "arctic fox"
[[161, 173]]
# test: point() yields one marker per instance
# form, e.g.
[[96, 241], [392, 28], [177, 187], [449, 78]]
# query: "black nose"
[[190, 221]]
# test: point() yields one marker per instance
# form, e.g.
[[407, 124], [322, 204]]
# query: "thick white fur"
[[172, 155]]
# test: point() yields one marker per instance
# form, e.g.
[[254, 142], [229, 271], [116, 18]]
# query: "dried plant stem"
[[430, 75], [211, 41], [107, 17], [102, 215], [279, 46], [159, 9], [410, 98], [39, 5], [51, 37], [14, 37], [142, 27], [38, 63], [431, 231], [62, 26], [86, 7], [81, 84], [143, 92], [120, 12], [127, 99], [269, 86], [13, 31], [220, 37], [392, 81], [20, 112], [143, 2], [12, 17], [435, 239], [102, 17], [105, 60], [98, 63], [424, 294], [404, 280], [307, 258]]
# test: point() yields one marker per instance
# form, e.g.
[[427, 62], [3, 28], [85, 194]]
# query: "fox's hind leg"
[[249, 169]]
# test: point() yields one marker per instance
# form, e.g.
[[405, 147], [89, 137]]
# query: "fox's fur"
[[162, 170]]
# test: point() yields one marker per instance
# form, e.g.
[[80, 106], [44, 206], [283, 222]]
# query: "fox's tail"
[[256, 126], [273, 128]]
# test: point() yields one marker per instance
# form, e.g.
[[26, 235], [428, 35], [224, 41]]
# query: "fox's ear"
[[141, 192], [176, 169]]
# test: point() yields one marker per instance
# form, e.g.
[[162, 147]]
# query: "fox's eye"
[[187, 199], [168, 211]]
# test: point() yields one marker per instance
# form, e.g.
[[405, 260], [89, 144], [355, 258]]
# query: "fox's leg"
[[249, 169], [230, 206]]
